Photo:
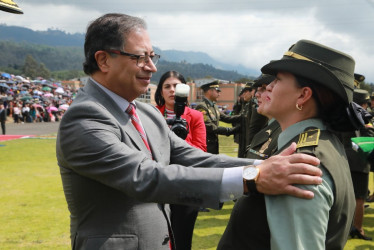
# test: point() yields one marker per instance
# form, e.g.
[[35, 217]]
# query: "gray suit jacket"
[[112, 185]]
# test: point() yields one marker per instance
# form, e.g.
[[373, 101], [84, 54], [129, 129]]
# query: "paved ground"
[[40, 128]]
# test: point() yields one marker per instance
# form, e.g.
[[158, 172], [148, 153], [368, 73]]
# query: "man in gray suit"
[[118, 169]]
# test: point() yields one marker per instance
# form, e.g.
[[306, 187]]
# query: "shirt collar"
[[298, 128], [271, 121], [120, 101], [209, 101]]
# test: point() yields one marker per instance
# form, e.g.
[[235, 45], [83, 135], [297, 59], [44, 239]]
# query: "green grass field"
[[34, 213]]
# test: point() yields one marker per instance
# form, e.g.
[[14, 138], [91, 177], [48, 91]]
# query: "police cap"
[[211, 85]]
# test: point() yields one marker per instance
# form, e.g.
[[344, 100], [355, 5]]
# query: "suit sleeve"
[[105, 153]]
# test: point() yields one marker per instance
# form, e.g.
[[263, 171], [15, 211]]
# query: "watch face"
[[250, 173]]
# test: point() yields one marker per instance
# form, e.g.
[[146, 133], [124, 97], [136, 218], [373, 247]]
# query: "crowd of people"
[[28, 101]]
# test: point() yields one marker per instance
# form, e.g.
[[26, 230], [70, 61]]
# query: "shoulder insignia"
[[265, 145], [202, 111], [308, 138]]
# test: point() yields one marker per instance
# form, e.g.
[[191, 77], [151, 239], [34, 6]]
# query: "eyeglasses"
[[141, 60]]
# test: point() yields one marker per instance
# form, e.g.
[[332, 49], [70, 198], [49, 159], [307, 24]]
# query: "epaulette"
[[203, 111], [308, 138]]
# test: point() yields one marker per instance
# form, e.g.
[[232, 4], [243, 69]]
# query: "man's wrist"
[[250, 176]]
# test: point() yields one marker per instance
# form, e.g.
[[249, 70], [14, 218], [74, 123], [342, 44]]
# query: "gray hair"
[[108, 32]]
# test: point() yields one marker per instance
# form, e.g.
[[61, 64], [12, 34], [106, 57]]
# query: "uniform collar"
[[298, 128], [209, 101]]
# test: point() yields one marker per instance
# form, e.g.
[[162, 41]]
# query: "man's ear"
[[102, 60]]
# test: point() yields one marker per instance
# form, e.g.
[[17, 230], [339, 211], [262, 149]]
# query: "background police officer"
[[212, 116]]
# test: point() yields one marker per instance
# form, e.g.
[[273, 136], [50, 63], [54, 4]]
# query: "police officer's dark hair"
[[158, 97], [109, 31], [331, 108]]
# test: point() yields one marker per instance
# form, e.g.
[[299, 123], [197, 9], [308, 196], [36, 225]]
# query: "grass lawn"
[[34, 213]]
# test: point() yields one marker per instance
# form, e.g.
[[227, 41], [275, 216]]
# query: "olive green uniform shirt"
[[297, 223]]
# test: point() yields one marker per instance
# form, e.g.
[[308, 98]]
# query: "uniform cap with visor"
[[211, 85], [263, 79]]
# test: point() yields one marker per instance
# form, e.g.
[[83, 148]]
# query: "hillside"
[[49, 37], [55, 58], [60, 51]]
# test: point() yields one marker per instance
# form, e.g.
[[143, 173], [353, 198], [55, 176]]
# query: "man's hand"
[[279, 172]]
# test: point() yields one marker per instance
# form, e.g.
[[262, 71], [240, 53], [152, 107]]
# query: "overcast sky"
[[249, 32]]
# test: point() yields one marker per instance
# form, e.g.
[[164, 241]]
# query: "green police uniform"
[[236, 110], [254, 215], [246, 114], [359, 166], [257, 121], [264, 143], [212, 116], [284, 221]]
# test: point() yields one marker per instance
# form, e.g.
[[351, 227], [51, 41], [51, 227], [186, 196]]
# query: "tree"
[[43, 71], [31, 67]]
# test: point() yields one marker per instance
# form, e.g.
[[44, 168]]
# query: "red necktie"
[[136, 122]]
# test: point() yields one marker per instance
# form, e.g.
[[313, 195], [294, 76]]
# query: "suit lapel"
[[107, 102], [148, 125]]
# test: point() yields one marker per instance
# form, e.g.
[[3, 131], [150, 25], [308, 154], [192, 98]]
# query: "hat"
[[320, 64], [360, 96], [248, 86], [263, 79], [213, 85], [358, 79], [10, 6]]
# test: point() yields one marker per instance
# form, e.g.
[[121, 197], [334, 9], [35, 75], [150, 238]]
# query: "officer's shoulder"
[[309, 138], [201, 105]]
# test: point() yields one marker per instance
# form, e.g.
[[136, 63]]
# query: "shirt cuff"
[[257, 162], [232, 184]]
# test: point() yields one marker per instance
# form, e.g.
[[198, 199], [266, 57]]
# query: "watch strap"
[[251, 186]]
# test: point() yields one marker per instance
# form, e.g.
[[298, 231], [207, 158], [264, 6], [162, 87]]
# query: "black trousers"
[[3, 127], [182, 223]]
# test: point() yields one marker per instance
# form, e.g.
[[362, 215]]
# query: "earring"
[[299, 107]]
